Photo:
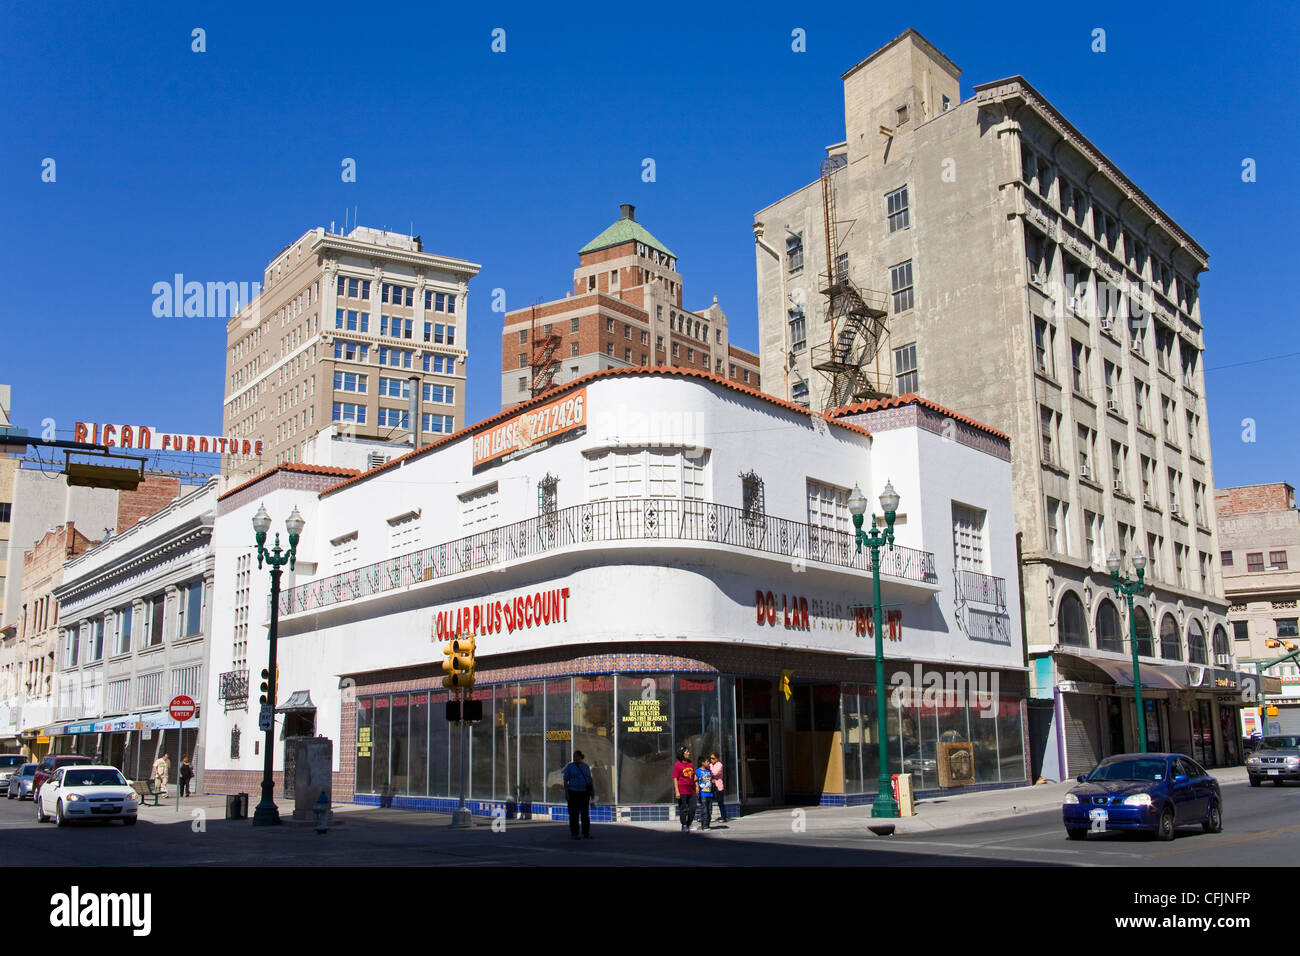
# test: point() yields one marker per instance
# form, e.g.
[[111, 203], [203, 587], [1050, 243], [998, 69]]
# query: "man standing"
[[162, 770], [186, 774], [579, 791], [684, 786]]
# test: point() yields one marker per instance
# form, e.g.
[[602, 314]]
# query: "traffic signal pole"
[[461, 816]]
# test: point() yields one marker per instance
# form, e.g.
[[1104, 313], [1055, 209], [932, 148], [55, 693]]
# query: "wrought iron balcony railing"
[[982, 588], [233, 685], [625, 519]]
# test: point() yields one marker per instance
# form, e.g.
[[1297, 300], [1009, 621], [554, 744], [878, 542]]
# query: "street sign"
[[182, 708], [266, 719]]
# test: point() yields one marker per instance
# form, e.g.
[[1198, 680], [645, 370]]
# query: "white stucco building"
[[642, 555]]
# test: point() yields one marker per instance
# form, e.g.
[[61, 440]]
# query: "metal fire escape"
[[544, 364], [851, 357]]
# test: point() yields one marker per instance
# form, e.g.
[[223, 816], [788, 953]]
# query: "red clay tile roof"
[[294, 466], [583, 380], [911, 398]]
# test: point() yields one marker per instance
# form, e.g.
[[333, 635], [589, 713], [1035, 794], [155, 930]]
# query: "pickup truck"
[[1276, 758]]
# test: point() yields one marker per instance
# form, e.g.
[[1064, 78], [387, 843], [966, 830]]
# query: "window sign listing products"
[[363, 741], [644, 716]]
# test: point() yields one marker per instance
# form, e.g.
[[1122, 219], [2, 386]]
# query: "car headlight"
[[1071, 798], [1138, 800], [1293, 761], [72, 796], [129, 798], [1252, 761]]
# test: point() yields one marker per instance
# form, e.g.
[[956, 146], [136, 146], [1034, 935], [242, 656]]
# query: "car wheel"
[[1213, 823], [59, 819], [1255, 781], [1076, 833], [40, 814], [129, 821], [1165, 831]]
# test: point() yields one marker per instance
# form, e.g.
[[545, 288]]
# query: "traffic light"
[[459, 665], [266, 687], [1274, 642]]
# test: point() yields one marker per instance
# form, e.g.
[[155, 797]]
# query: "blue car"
[[1155, 793]]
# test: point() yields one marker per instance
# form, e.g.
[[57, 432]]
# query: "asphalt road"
[[1261, 827]]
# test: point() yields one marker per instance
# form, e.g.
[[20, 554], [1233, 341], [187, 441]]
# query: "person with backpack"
[[579, 791]]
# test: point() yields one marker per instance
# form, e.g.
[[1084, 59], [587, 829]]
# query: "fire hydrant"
[[322, 811]]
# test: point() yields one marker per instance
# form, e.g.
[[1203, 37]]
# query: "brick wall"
[[153, 494], [1277, 496]]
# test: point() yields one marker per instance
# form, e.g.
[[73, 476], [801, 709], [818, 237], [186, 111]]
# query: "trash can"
[[237, 806], [902, 787]]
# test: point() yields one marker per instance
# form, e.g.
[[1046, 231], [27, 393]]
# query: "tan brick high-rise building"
[[342, 326], [625, 309], [984, 253]]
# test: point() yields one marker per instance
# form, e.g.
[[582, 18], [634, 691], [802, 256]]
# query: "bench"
[[146, 791]]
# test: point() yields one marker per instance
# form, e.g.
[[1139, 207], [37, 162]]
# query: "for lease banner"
[[531, 427]]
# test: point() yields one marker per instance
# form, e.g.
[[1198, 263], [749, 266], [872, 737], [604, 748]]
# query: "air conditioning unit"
[[1085, 471], [1038, 279], [1117, 484], [1107, 323], [1173, 509], [1146, 499], [1113, 404], [1223, 660]]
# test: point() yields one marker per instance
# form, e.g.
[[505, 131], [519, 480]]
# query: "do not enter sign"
[[182, 708]]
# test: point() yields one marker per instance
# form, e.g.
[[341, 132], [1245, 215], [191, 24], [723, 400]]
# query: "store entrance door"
[[756, 762]]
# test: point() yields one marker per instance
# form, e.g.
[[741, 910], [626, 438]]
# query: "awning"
[[298, 700], [1086, 667]]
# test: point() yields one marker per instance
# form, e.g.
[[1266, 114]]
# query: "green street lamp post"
[[877, 538], [266, 813], [1128, 588]]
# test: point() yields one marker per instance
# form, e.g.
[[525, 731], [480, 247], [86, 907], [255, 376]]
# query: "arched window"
[[1108, 638], [1170, 645], [1143, 623], [1071, 625], [1196, 643], [1221, 641]]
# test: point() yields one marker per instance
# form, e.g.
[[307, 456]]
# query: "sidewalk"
[[213, 806], [932, 813]]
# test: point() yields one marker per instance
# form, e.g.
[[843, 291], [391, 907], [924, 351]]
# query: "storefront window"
[[480, 750], [696, 719], [854, 726], [645, 738], [1011, 745], [593, 731], [870, 736], [365, 744], [532, 737], [379, 731], [440, 745], [559, 736], [727, 749], [506, 740], [984, 743], [418, 779], [398, 744]]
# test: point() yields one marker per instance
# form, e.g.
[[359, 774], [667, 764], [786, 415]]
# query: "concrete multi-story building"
[[44, 501], [356, 329], [134, 629], [989, 256], [625, 310], [640, 575], [1259, 537]]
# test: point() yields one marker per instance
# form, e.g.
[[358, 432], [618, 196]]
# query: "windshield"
[[1279, 743], [29, 770], [1134, 769], [93, 778]]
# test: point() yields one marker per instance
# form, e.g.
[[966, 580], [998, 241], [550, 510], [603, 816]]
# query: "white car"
[[86, 793]]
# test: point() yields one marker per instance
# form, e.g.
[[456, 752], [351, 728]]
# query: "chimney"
[[628, 211]]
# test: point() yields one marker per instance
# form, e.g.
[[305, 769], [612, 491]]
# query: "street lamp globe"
[[261, 520], [1140, 561], [889, 498], [1113, 562], [857, 501], [294, 523]]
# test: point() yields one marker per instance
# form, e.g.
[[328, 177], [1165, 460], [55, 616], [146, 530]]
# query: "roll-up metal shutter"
[[1082, 733]]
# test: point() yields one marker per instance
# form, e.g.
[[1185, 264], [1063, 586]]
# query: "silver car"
[[20, 782], [86, 792]]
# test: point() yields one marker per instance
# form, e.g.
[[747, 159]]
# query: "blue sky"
[[208, 163]]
